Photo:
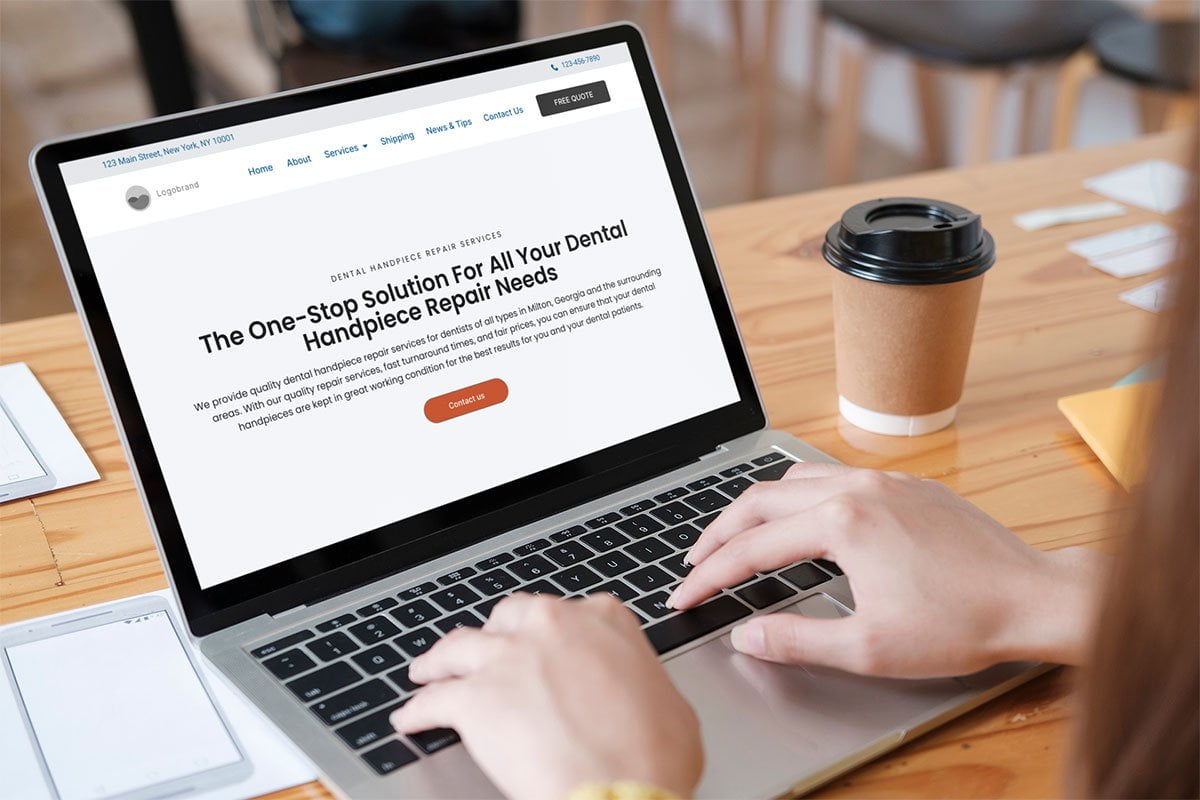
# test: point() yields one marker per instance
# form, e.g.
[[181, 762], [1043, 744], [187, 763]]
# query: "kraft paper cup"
[[905, 295]]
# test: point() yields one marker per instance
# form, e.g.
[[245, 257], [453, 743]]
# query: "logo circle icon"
[[137, 197]]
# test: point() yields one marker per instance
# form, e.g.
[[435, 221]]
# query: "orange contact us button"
[[465, 400]]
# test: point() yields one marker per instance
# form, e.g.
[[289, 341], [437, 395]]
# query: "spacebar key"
[[694, 623]]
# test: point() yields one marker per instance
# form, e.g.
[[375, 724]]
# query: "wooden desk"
[[1049, 326]]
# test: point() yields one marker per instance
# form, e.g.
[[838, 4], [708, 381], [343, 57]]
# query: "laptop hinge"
[[719, 450]]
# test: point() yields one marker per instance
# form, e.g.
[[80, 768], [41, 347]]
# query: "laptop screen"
[[343, 317]]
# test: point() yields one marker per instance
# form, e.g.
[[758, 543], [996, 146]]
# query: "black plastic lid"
[[909, 240]]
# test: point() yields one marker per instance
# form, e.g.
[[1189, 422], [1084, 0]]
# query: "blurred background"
[[769, 96]]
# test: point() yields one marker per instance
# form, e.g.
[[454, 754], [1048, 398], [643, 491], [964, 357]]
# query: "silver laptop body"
[[767, 729]]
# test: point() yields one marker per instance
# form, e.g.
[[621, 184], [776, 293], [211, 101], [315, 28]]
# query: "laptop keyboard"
[[351, 670]]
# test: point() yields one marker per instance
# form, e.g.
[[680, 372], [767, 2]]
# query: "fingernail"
[[395, 717], [672, 598], [747, 639]]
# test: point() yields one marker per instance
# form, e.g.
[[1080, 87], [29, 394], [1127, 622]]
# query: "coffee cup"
[[909, 273]]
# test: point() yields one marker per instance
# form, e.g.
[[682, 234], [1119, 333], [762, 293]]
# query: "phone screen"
[[118, 707], [17, 462]]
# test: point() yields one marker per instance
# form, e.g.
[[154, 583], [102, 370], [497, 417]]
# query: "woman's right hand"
[[554, 694], [940, 588]]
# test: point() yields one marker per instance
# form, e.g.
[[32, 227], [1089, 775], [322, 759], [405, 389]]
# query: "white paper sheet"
[[1125, 239], [1156, 185], [48, 432], [1153, 296], [1063, 215], [1130, 251], [277, 763], [1139, 261]]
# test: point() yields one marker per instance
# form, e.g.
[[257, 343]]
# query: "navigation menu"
[[292, 162]]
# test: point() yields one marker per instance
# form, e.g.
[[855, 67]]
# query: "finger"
[[460, 653], [816, 469], [789, 638], [441, 705], [761, 503], [765, 547], [509, 614], [612, 611]]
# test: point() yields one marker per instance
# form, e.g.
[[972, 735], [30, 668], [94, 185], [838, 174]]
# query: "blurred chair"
[[309, 43], [983, 40], [657, 26], [1158, 56], [166, 64], [754, 59]]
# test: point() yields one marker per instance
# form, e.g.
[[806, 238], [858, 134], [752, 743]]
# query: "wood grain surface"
[[1049, 325]]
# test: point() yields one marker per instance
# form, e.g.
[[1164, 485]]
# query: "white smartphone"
[[22, 470], [115, 705]]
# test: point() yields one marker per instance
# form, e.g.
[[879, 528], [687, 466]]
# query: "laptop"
[[387, 350]]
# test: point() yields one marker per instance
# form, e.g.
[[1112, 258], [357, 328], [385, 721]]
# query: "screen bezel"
[[400, 545]]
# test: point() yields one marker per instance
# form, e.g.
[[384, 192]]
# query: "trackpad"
[[767, 726], [820, 606]]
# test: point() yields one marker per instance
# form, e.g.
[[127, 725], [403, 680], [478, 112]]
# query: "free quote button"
[[588, 94], [465, 400]]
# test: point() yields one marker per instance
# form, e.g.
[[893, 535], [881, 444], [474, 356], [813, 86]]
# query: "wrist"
[[1053, 611]]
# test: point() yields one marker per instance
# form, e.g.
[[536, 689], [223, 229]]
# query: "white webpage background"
[[249, 499]]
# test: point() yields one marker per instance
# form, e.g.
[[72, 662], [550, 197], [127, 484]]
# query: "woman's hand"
[[551, 694], [940, 588]]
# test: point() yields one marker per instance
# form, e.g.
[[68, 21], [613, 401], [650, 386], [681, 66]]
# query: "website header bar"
[[166, 191], [176, 150]]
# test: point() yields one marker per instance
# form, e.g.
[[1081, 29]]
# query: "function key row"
[[674, 494], [282, 644], [773, 472], [704, 483], [568, 533], [335, 623], [420, 590], [378, 607], [637, 508], [494, 561], [532, 547], [457, 576]]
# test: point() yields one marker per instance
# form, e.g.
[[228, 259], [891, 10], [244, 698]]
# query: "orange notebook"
[[1113, 421]]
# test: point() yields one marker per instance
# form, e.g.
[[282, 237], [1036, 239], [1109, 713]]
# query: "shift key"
[[695, 622], [353, 702]]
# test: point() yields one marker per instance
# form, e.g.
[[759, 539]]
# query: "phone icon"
[[554, 67]]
